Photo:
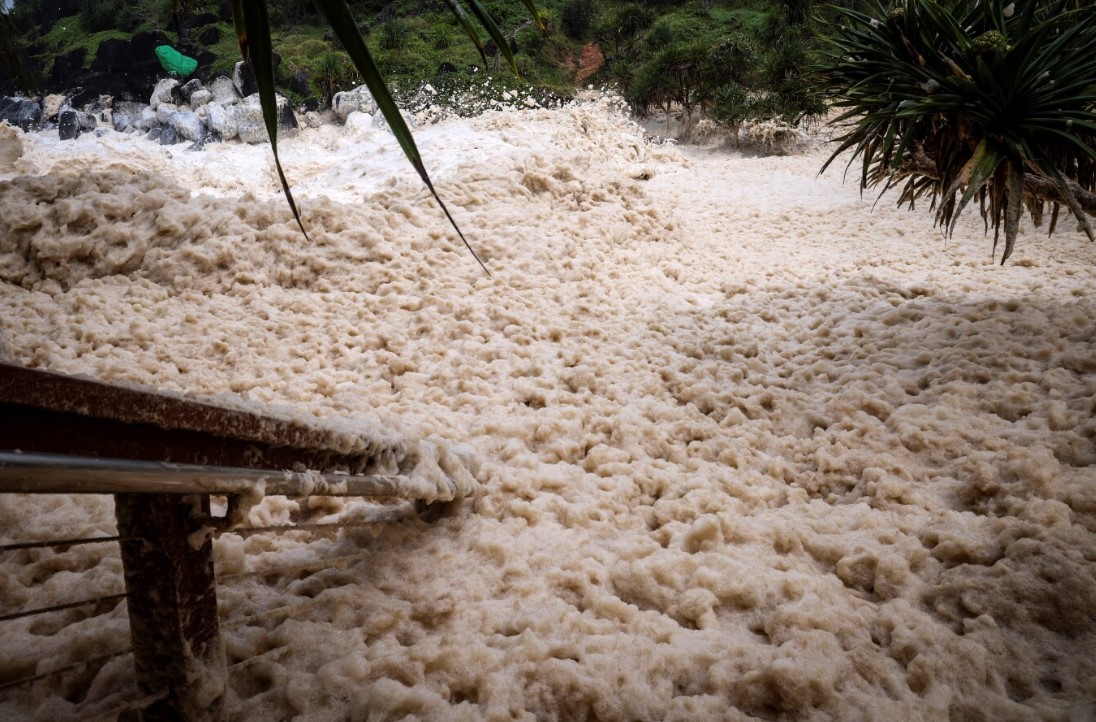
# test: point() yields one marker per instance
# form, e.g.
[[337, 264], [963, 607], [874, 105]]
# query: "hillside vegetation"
[[733, 58]]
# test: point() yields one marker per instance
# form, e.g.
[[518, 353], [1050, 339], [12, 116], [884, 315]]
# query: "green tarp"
[[175, 62]]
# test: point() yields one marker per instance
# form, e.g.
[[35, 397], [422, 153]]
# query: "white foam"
[[748, 449]]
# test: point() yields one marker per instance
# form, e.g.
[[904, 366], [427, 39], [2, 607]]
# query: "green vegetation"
[[69, 35], [733, 59], [736, 61], [976, 99]]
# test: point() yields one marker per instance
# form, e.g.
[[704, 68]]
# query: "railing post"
[[177, 645]]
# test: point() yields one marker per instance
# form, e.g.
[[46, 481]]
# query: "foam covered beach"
[[746, 446]]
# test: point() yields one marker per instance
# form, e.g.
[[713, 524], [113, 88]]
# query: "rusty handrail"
[[60, 474], [162, 456]]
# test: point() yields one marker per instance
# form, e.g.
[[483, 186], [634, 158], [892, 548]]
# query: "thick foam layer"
[[748, 450]]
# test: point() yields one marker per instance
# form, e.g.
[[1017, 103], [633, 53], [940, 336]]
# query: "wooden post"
[[177, 645]]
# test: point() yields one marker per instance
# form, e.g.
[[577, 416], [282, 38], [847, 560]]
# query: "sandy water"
[[746, 448]]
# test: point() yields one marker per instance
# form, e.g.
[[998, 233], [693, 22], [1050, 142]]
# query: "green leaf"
[[256, 42], [531, 6], [346, 30], [241, 28]]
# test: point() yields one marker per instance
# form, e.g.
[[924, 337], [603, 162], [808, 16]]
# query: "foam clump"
[[746, 447]]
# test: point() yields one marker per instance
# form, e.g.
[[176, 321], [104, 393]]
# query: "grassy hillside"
[[733, 58]]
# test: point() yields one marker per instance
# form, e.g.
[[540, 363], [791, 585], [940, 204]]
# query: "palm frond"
[[252, 26], [961, 98]]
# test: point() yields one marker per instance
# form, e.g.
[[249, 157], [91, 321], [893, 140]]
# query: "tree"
[[971, 99]]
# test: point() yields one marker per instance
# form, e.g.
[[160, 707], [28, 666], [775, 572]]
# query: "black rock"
[[21, 113], [286, 119], [200, 20], [122, 69], [169, 136], [210, 36], [187, 89], [243, 77], [299, 84], [310, 104], [205, 59], [68, 125], [68, 65], [114, 54]]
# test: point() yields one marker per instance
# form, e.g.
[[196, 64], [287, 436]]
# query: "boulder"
[[87, 121], [189, 88], [188, 125], [129, 107], [66, 66], [224, 91], [68, 124], [358, 124], [209, 36], [147, 120], [249, 120], [169, 136], [121, 68], [154, 134], [165, 111], [358, 100], [21, 113], [380, 123], [200, 97], [206, 18], [163, 93], [121, 123], [11, 150], [52, 104], [220, 120], [243, 77], [299, 84]]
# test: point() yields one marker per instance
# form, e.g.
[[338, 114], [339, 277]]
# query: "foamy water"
[[746, 449]]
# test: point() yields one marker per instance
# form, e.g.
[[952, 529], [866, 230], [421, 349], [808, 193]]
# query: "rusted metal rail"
[[162, 457]]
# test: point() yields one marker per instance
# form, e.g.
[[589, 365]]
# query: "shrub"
[[978, 99], [332, 74], [576, 17], [98, 15], [394, 34]]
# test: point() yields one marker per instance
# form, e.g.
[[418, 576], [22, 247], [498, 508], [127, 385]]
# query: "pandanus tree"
[[253, 32], [964, 100]]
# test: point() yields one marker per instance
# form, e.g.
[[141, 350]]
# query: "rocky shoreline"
[[192, 112]]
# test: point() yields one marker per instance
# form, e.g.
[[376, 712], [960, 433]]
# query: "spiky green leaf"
[[346, 30], [257, 47]]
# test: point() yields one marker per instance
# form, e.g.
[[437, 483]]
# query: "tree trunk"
[[920, 164]]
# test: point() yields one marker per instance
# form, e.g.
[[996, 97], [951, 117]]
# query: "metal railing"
[[162, 458]]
